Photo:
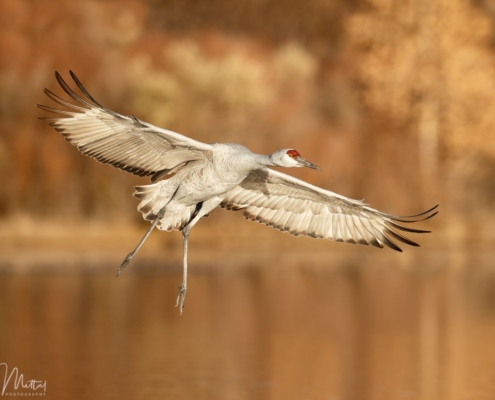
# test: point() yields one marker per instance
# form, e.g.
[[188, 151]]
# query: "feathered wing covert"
[[122, 141], [291, 205]]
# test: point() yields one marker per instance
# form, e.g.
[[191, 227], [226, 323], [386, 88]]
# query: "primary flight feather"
[[198, 177]]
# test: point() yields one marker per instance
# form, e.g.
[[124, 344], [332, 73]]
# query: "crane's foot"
[[181, 297], [126, 261]]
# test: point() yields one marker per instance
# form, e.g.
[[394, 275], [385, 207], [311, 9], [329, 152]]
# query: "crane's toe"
[[181, 297], [126, 261]]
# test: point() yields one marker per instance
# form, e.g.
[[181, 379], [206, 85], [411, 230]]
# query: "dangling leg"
[[131, 255], [181, 295], [202, 209]]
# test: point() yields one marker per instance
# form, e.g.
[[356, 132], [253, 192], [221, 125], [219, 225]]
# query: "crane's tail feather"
[[156, 196]]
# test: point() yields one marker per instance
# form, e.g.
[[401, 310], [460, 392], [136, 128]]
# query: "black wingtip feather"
[[70, 92], [420, 214], [406, 221], [431, 216], [390, 243], [63, 102], [394, 247], [83, 89], [56, 110], [401, 238], [406, 229], [414, 218]]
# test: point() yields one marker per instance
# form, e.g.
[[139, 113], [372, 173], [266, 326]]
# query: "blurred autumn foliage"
[[395, 101]]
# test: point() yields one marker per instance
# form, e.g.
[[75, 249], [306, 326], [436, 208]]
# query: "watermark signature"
[[20, 386]]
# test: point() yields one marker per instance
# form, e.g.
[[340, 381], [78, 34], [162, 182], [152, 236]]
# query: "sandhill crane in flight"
[[198, 177]]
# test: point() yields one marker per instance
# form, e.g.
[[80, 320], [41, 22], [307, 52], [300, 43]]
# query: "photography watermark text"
[[14, 383]]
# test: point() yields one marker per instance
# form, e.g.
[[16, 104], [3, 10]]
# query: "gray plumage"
[[198, 177]]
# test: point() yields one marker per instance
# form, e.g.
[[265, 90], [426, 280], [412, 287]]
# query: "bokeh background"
[[394, 100]]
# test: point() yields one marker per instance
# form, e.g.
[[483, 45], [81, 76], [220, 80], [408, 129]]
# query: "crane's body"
[[197, 177], [201, 186]]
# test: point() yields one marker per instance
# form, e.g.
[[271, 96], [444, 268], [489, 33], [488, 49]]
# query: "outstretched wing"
[[122, 141], [291, 205]]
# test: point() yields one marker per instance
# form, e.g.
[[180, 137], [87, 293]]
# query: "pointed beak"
[[306, 163]]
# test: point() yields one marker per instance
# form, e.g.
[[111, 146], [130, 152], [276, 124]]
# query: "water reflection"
[[377, 328]]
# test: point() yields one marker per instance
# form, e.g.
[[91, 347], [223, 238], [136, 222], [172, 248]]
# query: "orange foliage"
[[392, 100]]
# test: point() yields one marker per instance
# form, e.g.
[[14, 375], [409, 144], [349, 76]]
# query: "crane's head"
[[290, 158]]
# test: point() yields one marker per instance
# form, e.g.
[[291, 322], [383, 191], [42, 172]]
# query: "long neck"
[[235, 167], [265, 160]]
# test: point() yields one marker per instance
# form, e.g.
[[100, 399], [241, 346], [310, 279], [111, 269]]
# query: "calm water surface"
[[380, 327]]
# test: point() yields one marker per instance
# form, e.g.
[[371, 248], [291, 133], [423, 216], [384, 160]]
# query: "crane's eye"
[[293, 153]]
